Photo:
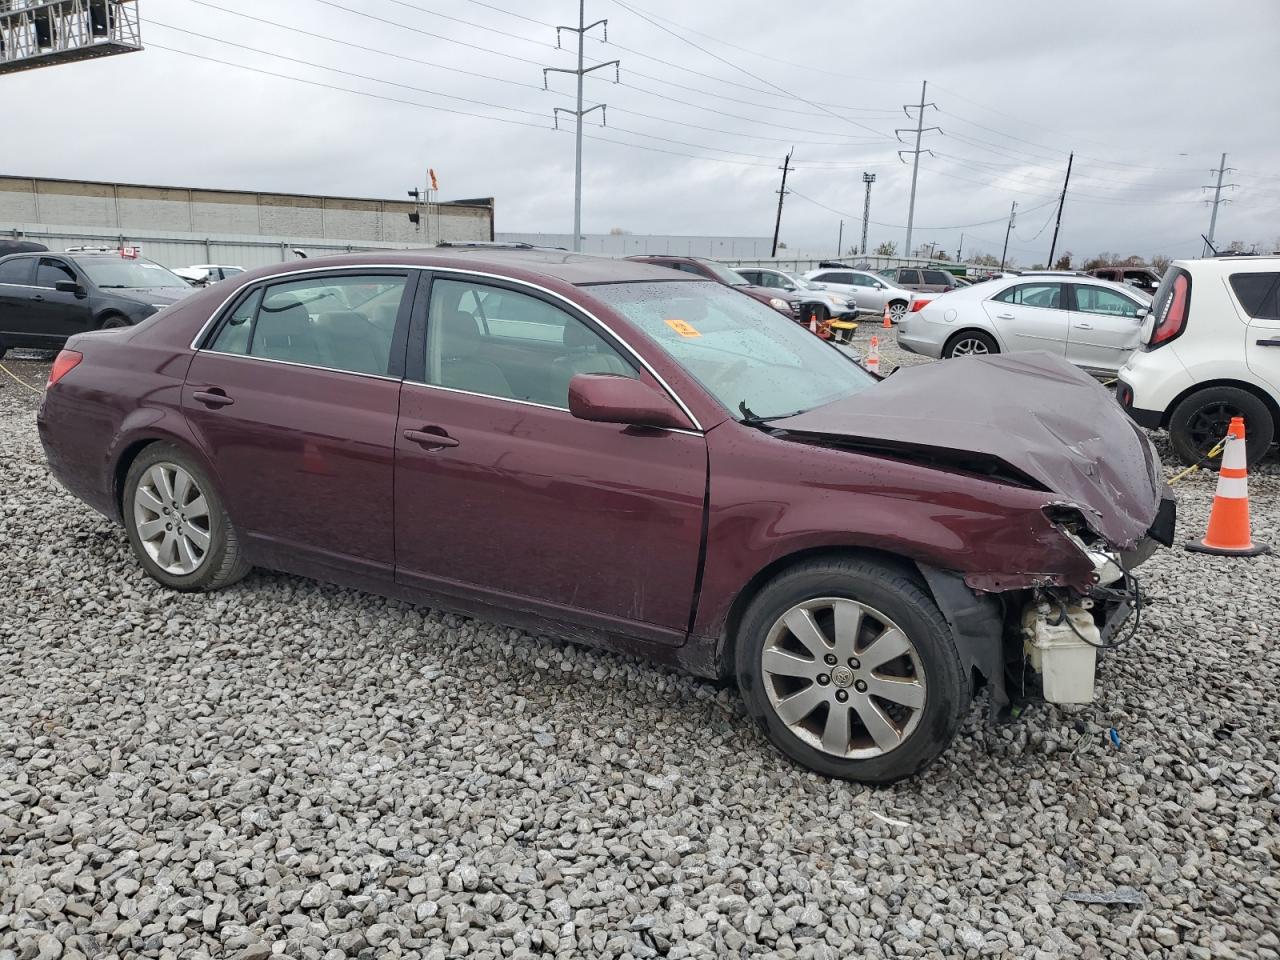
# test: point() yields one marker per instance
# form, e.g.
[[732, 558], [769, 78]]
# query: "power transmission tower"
[[915, 163], [1008, 230], [777, 224], [868, 179], [581, 30], [1061, 200], [840, 239], [1217, 189]]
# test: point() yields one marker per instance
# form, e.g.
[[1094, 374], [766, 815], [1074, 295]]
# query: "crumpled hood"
[[1033, 412]]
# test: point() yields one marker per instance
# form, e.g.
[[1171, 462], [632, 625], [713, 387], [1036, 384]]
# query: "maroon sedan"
[[627, 457]]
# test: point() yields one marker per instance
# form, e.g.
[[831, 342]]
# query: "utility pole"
[[960, 248], [777, 224], [1222, 170], [840, 240], [581, 30], [915, 162], [1061, 200], [1007, 230], [868, 179]]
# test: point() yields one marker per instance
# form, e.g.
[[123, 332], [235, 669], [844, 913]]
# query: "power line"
[[898, 226]]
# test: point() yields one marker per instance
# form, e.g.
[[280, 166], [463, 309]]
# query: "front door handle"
[[212, 399], [1269, 343], [1084, 326], [1004, 316], [38, 298], [429, 439]]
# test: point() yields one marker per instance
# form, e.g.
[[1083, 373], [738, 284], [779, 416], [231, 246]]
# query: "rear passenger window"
[[909, 276], [1033, 295], [16, 271], [341, 323], [1258, 293], [500, 343], [936, 276]]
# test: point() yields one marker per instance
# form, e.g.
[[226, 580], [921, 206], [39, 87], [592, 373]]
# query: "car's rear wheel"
[[176, 522], [897, 310], [113, 322], [1199, 422], [851, 670], [970, 343]]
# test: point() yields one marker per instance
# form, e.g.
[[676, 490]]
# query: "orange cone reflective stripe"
[[1228, 532]]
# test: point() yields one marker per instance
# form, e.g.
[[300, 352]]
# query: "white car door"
[[1030, 316], [1259, 295], [1106, 326]]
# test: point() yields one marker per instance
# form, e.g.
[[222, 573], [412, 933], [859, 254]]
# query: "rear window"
[[16, 271], [908, 276], [1258, 293], [936, 276]]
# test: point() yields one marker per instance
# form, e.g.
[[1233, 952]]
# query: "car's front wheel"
[[176, 522], [851, 670], [970, 343]]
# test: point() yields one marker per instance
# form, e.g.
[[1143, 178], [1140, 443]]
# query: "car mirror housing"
[[1141, 314], [609, 398], [69, 286]]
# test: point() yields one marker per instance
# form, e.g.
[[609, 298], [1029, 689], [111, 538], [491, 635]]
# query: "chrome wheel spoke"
[[909, 693], [146, 499], [181, 487], [197, 508], [785, 664], [796, 707], [835, 735], [848, 617], [889, 645], [881, 728], [150, 529], [166, 553], [800, 622], [186, 553], [161, 482], [198, 537]]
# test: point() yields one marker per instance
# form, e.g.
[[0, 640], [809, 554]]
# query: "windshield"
[[127, 274], [724, 274], [756, 362], [800, 282]]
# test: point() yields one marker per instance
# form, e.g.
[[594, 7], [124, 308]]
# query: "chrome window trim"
[[460, 271], [307, 366]]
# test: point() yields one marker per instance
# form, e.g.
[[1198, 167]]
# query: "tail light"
[[918, 305], [66, 361], [1172, 307]]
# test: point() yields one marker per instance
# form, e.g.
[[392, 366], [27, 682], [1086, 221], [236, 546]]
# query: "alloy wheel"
[[172, 519], [843, 677], [969, 346], [897, 311]]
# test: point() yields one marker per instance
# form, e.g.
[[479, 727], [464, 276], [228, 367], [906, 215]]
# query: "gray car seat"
[[461, 366], [350, 342], [284, 332]]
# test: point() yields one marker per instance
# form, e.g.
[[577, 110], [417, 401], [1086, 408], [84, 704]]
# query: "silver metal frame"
[[216, 315], [71, 32]]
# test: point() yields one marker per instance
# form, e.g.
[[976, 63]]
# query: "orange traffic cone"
[[813, 323], [872, 361], [1228, 533], [888, 321]]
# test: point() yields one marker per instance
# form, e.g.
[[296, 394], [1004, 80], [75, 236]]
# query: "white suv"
[[1210, 351]]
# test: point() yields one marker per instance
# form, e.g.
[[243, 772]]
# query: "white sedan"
[[1091, 323]]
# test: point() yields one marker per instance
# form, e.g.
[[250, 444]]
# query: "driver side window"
[[502, 343]]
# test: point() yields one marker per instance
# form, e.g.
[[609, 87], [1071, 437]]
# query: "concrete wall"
[[625, 244], [92, 212]]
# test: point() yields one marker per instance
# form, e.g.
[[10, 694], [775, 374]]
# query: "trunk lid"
[[1027, 415]]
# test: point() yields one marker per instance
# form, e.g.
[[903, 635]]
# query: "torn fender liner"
[[1032, 412], [976, 625]]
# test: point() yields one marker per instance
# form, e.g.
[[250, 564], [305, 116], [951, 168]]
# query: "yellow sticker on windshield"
[[683, 328]]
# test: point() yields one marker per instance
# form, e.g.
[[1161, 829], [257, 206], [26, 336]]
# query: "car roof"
[[988, 288], [1226, 265]]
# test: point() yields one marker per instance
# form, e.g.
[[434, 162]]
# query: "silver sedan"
[[871, 291], [1091, 323]]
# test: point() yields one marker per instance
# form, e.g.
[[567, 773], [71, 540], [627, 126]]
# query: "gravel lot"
[[291, 768]]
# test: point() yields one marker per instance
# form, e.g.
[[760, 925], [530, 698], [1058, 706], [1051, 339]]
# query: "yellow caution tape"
[[20, 380]]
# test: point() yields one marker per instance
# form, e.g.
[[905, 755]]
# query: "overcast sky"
[[1148, 94]]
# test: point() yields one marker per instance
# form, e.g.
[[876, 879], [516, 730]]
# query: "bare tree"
[[887, 249], [1064, 261], [1160, 263]]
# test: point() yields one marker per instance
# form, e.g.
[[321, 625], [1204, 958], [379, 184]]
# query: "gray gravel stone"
[[290, 766]]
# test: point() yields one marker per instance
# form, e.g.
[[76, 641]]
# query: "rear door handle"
[[429, 439], [1084, 326], [38, 298], [212, 399], [1004, 316], [1269, 343]]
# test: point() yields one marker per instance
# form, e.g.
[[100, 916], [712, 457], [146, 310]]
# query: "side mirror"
[[1141, 314], [607, 398], [70, 286]]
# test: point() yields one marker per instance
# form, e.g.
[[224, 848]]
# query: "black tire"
[[819, 312], [966, 336], [1200, 420], [3, 349], [222, 563], [901, 599], [113, 321]]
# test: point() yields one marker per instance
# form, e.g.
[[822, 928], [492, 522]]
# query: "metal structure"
[[43, 33], [915, 161], [868, 179], [782, 194], [581, 30], [1013, 212], [1061, 200], [1222, 171]]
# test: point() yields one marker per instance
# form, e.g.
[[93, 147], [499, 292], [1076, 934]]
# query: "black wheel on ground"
[[819, 312], [970, 343], [1201, 420], [176, 522], [850, 669], [113, 322]]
